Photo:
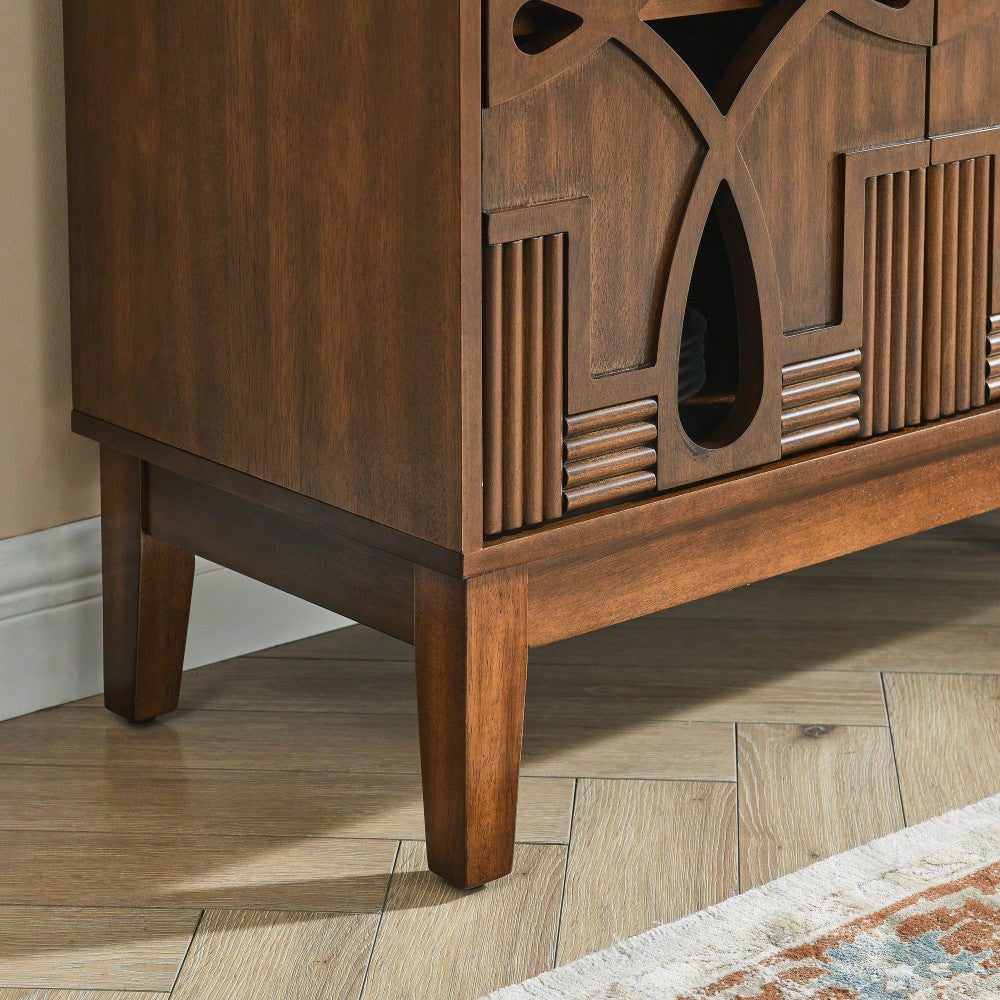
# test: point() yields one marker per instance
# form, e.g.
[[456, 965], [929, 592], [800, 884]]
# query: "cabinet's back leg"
[[147, 598], [471, 659]]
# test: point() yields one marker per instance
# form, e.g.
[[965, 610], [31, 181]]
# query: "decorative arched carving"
[[552, 116]]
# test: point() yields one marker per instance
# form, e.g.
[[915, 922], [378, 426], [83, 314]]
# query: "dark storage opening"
[[720, 365]]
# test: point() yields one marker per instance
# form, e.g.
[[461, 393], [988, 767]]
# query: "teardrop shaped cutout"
[[720, 367], [539, 25]]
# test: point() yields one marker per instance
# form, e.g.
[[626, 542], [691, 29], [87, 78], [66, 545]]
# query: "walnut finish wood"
[[594, 587], [407, 337], [964, 94], [471, 664], [267, 240], [331, 570], [147, 597]]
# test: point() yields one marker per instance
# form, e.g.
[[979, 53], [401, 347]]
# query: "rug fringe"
[[680, 957]]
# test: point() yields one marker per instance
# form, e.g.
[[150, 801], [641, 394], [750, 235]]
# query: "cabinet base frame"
[[472, 622]]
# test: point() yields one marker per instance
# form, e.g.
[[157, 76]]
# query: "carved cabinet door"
[[718, 239]]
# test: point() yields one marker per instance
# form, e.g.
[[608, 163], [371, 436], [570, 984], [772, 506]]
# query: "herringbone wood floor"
[[264, 842]]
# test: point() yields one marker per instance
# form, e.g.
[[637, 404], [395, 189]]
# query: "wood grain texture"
[[869, 318], [609, 490], [979, 305], [934, 284], [534, 153], [237, 214], [947, 740], [591, 588], [961, 447], [49, 868], [993, 360], [898, 316], [599, 743], [686, 8], [272, 498], [663, 668], [834, 597], [967, 328], [710, 694], [949, 288], [790, 649], [554, 378], [534, 427], [963, 94], [19, 994], [493, 395], [925, 292], [913, 332], [807, 792], [821, 401], [90, 948], [794, 168], [471, 656], [240, 955], [365, 583], [354, 740], [147, 597], [477, 942], [221, 803], [523, 381], [513, 385], [957, 16], [644, 853]]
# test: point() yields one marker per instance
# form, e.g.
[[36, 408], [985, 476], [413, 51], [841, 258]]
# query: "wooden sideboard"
[[491, 325]]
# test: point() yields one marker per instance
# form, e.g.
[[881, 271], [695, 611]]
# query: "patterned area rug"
[[914, 915]]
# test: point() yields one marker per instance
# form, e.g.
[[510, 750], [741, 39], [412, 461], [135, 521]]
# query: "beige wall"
[[47, 476]]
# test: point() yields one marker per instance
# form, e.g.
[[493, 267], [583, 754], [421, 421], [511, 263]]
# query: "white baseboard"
[[50, 617]]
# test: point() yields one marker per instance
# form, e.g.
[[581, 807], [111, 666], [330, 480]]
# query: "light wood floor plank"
[[947, 737], [246, 803], [256, 955], [361, 743], [707, 694], [102, 869], [302, 684], [78, 995], [437, 942], [672, 643], [846, 601], [600, 696], [90, 948], [920, 557], [809, 792], [610, 747], [642, 853]]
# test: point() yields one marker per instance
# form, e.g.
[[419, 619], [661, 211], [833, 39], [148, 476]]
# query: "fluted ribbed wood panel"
[[820, 402], [927, 236], [610, 454], [523, 360]]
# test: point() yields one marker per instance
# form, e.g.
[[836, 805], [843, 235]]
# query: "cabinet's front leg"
[[472, 661], [147, 598]]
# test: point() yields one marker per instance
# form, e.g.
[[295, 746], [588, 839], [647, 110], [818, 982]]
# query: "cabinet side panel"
[[266, 241]]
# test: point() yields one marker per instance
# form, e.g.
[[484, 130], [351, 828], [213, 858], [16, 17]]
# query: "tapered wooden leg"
[[147, 598], [472, 661]]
